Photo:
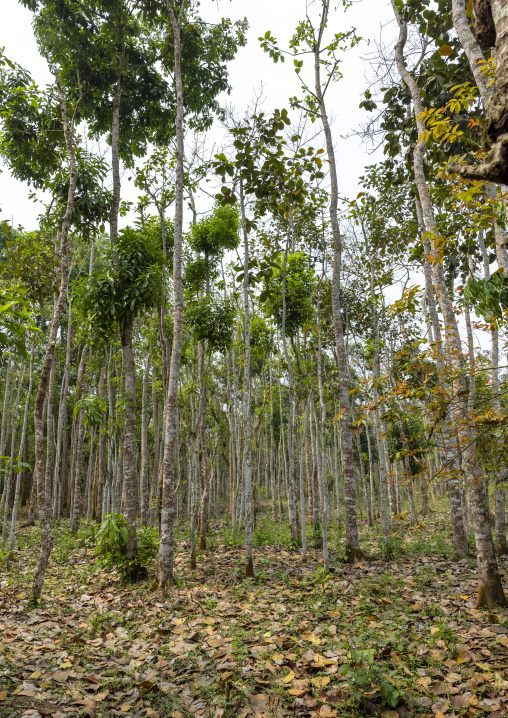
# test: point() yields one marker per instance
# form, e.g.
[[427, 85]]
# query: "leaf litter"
[[392, 638]]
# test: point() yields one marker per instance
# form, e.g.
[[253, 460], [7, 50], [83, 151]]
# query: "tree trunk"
[[322, 463], [203, 458], [491, 30], [79, 433], [43, 499], [22, 444], [101, 458], [247, 458], [353, 550], [165, 560], [490, 590], [5, 412], [129, 498], [143, 479]]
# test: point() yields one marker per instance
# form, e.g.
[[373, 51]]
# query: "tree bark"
[[20, 452], [129, 497], [203, 458], [143, 479], [101, 458], [43, 500], [490, 589], [247, 457], [492, 30], [165, 560], [353, 550], [79, 433]]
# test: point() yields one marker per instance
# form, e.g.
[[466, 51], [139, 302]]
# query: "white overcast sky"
[[251, 69]]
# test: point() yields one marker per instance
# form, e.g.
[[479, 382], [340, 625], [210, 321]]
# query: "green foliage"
[[216, 233], [31, 141], [261, 343], [15, 320], [489, 296], [30, 259], [211, 320], [94, 409], [92, 201], [111, 544], [99, 41], [151, 227], [364, 672], [299, 285], [131, 283]]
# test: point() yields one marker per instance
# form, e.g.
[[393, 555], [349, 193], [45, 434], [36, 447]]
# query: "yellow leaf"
[[320, 681], [290, 677], [445, 50], [20, 595], [499, 681], [36, 675], [125, 708], [484, 666], [463, 657]]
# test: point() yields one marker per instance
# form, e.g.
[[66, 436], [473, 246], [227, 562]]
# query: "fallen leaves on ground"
[[288, 643]]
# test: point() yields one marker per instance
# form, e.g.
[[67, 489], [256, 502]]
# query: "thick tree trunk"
[[322, 463], [22, 444], [43, 499], [14, 427], [50, 434], [143, 479], [302, 484], [353, 550], [203, 457], [165, 560], [129, 497], [473, 51], [154, 489], [5, 411], [101, 449], [490, 589], [247, 458], [491, 30], [79, 435]]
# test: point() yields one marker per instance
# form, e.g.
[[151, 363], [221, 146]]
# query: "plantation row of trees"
[[248, 359]]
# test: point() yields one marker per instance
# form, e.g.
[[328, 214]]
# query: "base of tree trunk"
[[249, 568], [491, 594], [138, 573], [193, 563], [202, 543], [457, 555], [353, 555], [502, 548]]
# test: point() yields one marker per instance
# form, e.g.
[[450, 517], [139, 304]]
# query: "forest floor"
[[395, 637]]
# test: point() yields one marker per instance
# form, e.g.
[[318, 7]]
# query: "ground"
[[396, 636]]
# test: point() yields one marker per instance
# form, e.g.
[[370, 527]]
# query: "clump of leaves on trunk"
[[111, 544]]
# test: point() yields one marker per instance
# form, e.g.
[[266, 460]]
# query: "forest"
[[252, 436]]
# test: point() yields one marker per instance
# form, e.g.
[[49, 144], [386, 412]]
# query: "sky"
[[251, 70]]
